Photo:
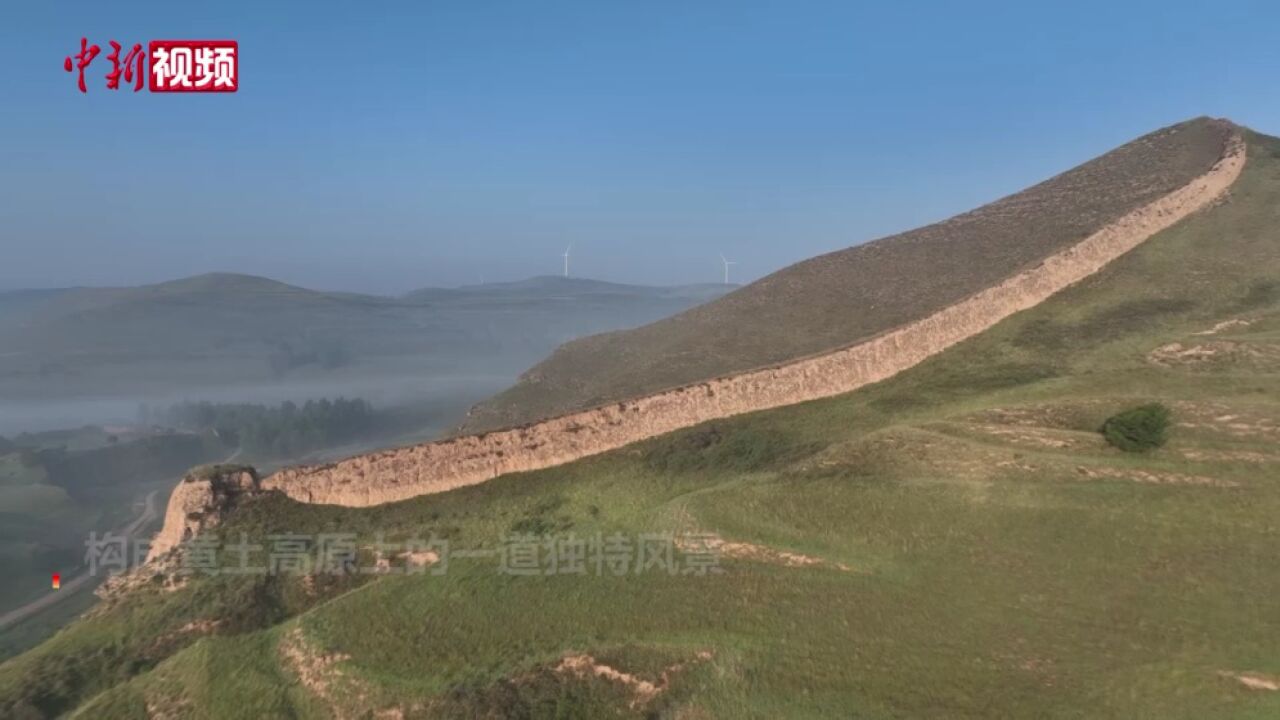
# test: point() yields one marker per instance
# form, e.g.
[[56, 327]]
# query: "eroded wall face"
[[198, 504], [403, 473]]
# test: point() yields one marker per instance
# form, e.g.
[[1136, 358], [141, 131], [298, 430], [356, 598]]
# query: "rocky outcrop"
[[394, 475], [201, 500]]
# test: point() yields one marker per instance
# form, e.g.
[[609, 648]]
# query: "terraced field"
[[957, 542]]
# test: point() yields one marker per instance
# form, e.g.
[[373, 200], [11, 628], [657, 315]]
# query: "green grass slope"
[[963, 544], [843, 297]]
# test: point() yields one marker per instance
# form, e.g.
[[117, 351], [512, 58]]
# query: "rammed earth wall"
[[394, 475]]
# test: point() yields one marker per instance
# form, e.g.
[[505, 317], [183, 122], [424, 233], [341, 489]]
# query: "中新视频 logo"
[[167, 65]]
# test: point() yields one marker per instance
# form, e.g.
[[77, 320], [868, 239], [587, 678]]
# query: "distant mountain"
[[180, 316], [557, 286], [196, 334], [846, 296], [218, 282]]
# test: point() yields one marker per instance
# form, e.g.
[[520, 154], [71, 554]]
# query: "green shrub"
[[209, 472], [1138, 429]]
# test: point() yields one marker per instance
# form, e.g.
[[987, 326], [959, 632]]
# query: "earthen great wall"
[[434, 467]]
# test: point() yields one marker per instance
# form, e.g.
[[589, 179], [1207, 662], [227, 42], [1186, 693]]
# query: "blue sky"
[[385, 146]]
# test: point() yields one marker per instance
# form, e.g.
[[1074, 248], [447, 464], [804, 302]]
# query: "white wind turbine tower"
[[566, 260], [727, 263]]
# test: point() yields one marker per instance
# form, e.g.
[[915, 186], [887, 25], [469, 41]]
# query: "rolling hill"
[[958, 541], [544, 288], [844, 297], [235, 337]]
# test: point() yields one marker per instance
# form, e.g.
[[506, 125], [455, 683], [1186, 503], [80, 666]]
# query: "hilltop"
[[957, 541], [844, 297], [557, 286]]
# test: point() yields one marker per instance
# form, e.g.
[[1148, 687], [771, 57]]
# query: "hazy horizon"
[[479, 283], [74, 357], [450, 144]]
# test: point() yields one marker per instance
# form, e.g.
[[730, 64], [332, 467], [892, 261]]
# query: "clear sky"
[[381, 146]]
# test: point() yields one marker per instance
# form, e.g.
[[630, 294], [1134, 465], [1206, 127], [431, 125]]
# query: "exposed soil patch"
[[1254, 681], [642, 691], [164, 708], [320, 674], [1017, 465], [1231, 421], [317, 671], [1152, 478], [410, 559], [204, 626], [1215, 353], [1225, 325], [711, 542], [1247, 456], [422, 558], [163, 574]]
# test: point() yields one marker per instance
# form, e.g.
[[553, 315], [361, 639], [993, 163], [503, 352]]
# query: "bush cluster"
[[1138, 429]]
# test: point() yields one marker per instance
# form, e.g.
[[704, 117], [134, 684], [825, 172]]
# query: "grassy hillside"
[[957, 542], [840, 298]]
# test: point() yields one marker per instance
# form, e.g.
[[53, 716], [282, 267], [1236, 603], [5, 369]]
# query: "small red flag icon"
[[57, 581]]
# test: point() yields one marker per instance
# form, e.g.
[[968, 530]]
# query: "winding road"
[[84, 579], [81, 581]]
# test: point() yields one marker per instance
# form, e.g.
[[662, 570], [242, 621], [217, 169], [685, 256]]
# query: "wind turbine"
[[566, 260], [727, 263]]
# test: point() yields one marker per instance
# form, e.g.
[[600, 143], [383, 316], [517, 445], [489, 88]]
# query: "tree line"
[[282, 431]]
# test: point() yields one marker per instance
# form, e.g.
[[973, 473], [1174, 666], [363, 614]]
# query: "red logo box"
[[194, 65]]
